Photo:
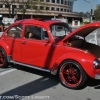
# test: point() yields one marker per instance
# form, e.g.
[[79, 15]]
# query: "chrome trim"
[[97, 76], [38, 68], [9, 58], [96, 64]]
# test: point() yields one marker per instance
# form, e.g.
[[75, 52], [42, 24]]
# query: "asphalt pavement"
[[22, 83]]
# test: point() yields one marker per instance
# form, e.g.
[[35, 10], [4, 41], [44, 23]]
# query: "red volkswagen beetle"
[[50, 46]]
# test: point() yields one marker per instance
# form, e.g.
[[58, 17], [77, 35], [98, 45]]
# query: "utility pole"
[[92, 8]]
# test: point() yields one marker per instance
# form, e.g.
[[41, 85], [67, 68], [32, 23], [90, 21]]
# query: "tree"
[[8, 3], [35, 5], [97, 12], [23, 5], [38, 6]]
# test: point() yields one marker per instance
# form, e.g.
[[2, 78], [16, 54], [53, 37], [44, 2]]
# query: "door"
[[36, 49], [13, 39]]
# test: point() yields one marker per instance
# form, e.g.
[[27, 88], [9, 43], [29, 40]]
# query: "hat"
[[60, 15]]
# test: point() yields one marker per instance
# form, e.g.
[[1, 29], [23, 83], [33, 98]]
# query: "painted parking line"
[[7, 71]]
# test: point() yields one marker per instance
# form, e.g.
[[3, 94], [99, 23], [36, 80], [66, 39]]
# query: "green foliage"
[[86, 22], [37, 6], [97, 12]]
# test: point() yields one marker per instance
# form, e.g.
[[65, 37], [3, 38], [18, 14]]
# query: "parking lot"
[[22, 83]]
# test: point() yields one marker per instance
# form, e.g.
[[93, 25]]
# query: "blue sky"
[[83, 6]]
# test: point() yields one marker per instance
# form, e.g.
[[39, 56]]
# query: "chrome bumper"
[[97, 76]]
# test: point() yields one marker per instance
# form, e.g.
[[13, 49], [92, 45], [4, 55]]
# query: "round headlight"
[[96, 64]]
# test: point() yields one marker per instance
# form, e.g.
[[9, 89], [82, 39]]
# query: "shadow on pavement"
[[45, 82], [93, 83]]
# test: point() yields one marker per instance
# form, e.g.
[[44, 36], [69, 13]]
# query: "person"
[[30, 35], [60, 16], [15, 18], [1, 27], [1, 24]]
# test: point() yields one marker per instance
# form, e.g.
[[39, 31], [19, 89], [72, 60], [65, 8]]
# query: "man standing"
[[1, 24], [61, 18], [15, 18]]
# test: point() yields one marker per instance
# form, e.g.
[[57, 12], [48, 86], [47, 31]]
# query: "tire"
[[3, 58], [72, 75]]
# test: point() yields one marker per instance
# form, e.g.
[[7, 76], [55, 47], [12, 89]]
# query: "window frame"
[[41, 34], [12, 34]]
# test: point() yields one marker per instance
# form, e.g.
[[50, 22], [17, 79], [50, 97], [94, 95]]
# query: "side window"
[[35, 32], [15, 31], [60, 29]]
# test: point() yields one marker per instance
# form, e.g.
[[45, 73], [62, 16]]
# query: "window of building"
[[68, 2], [52, 8], [57, 9], [71, 3], [14, 6], [65, 10], [47, 0], [28, 7], [1, 6], [20, 6], [53, 1], [61, 9], [6, 6], [58, 1], [65, 2], [70, 10], [35, 7], [41, 7], [62, 1], [47, 8], [41, 0]]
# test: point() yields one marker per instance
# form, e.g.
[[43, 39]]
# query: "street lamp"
[[92, 7]]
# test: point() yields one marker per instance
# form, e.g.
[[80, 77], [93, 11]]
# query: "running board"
[[34, 67]]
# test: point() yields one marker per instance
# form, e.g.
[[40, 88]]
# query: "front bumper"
[[97, 76]]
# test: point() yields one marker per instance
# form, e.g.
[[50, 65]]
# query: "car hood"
[[84, 30]]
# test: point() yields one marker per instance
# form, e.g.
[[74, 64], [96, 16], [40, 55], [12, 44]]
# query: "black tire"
[[3, 58], [72, 75]]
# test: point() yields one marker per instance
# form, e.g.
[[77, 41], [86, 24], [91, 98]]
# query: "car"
[[51, 46]]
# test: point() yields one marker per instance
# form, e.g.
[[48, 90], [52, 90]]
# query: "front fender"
[[85, 59], [5, 46]]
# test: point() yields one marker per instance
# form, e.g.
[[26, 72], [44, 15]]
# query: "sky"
[[83, 6]]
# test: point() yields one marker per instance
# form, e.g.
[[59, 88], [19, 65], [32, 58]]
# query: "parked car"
[[40, 44]]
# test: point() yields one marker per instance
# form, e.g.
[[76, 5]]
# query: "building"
[[49, 9]]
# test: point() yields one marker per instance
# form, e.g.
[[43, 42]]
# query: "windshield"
[[60, 29]]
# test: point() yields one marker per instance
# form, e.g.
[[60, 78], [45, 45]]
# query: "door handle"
[[24, 42]]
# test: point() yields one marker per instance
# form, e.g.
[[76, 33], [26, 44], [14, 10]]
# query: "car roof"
[[37, 21]]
